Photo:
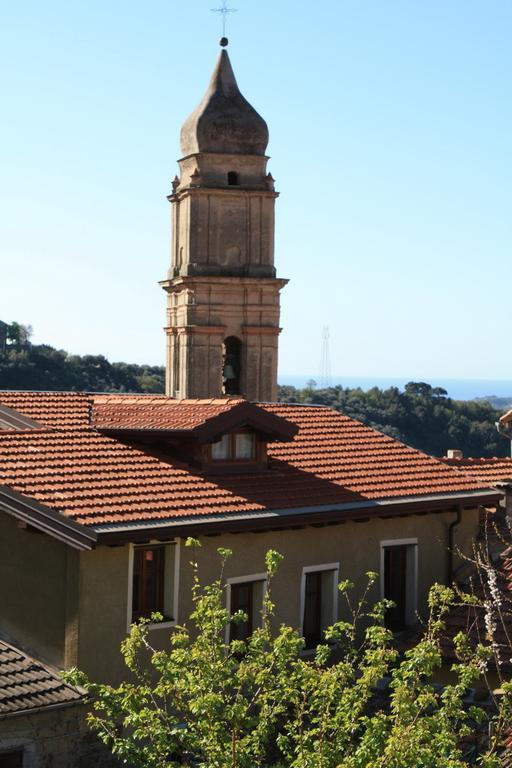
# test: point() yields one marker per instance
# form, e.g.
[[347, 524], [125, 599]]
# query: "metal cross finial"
[[224, 10]]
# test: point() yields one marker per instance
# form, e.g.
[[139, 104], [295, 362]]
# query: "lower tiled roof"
[[486, 470], [27, 684], [95, 479]]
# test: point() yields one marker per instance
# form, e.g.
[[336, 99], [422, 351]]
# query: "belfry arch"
[[231, 366]]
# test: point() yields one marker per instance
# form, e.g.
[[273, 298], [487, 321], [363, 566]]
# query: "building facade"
[[99, 492]]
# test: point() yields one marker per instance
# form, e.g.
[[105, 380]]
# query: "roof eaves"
[[44, 708], [250, 414], [46, 520], [77, 694], [179, 526]]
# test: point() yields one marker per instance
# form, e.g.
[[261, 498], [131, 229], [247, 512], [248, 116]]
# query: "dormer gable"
[[224, 434]]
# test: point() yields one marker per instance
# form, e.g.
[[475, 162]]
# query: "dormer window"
[[235, 446]]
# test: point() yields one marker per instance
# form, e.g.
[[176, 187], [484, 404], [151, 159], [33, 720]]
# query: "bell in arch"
[[231, 366]]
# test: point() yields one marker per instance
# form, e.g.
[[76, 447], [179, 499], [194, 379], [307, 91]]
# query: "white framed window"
[[153, 582], [399, 581], [245, 593], [318, 601]]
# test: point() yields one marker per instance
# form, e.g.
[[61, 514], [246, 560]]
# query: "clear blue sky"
[[391, 139]]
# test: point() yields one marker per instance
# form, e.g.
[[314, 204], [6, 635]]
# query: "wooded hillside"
[[421, 416]]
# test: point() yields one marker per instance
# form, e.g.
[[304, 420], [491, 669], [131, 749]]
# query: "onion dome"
[[224, 121]]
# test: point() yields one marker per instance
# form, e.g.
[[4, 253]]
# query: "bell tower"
[[222, 291]]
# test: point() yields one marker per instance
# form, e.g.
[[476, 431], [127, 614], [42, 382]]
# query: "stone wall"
[[55, 738]]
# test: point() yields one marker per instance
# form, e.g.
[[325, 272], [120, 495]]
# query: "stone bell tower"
[[222, 290]]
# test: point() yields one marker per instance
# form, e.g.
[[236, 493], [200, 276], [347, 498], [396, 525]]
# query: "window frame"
[[175, 592], [27, 748], [17, 750], [320, 568], [411, 590], [232, 458], [250, 578]]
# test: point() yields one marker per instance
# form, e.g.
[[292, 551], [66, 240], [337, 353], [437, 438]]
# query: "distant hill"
[[500, 403], [420, 415], [39, 366]]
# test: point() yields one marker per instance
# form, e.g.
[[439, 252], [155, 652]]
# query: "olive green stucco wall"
[[37, 575], [355, 546], [103, 611], [104, 573]]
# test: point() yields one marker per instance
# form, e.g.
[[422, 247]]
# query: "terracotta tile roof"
[[95, 479], [27, 684], [150, 412], [62, 410], [485, 470], [506, 418]]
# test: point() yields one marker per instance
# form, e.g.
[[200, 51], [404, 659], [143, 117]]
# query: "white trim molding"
[[387, 543], [176, 585], [252, 577], [335, 568]]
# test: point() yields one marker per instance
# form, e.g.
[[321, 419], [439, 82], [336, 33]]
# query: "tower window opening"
[[231, 365], [233, 180]]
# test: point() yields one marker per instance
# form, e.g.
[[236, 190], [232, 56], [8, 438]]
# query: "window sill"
[[308, 652], [163, 624], [166, 624]]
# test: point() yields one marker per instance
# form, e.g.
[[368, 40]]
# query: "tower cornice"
[[206, 190]]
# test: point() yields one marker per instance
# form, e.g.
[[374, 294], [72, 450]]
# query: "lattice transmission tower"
[[325, 359]]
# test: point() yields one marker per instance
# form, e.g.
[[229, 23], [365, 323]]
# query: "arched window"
[[233, 179], [231, 365]]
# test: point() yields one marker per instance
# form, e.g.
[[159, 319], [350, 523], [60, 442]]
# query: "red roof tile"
[[95, 479], [156, 412], [26, 684], [485, 470]]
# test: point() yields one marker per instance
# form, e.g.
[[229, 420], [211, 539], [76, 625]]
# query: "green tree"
[[39, 366], [205, 702], [421, 416]]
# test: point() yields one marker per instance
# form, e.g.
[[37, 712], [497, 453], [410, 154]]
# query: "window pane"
[[148, 581], [11, 759], [242, 600], [395, 586], [244, 445], [220, 450], [312, 628]]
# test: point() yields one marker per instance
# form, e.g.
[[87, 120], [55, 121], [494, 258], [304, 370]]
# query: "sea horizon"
[[458, 389]]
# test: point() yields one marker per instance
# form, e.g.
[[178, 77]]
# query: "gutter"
[[280, 518], [46, 520], [80, 700], [451, 535]]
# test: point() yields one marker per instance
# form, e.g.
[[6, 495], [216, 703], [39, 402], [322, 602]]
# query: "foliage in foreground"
[[206, 703]]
